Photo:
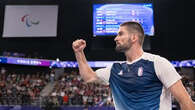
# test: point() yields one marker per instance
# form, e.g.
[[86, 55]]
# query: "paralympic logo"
[[27, 19]]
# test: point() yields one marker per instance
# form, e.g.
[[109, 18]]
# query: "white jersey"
[[142, 84]]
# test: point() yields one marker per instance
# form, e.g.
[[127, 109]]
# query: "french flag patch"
[[140, 71]]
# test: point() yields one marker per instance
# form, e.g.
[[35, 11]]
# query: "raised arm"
[[86, 72], [181, 95]]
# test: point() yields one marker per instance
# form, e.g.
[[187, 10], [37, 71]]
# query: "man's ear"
[[134, 37]]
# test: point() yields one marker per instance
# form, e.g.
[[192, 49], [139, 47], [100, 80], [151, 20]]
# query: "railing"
[[46, 103], [53, 108]]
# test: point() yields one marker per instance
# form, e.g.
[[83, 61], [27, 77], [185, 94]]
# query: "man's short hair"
[[136, 28]]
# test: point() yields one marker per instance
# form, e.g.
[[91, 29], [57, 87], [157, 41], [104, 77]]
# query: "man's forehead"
[[122, 29]]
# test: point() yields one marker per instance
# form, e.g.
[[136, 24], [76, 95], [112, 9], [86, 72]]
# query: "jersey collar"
[[128, 62]]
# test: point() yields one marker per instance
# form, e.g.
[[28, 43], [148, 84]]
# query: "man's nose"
[[116, 38]]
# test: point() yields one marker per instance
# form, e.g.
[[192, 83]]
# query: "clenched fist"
[[78, 45]]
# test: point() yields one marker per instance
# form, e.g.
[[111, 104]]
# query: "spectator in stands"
[[20, 88]]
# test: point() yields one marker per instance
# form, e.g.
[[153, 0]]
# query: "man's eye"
[[119, 34]]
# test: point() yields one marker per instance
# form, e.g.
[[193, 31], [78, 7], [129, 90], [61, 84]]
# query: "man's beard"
[[123, 48]]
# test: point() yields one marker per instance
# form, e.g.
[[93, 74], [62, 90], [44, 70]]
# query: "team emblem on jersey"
[[120, 73], [140, 71]]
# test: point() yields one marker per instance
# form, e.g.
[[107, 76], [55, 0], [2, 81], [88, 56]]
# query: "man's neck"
[[134, 53]]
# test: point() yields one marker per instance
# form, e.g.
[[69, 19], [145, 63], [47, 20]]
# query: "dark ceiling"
[[173, 31]]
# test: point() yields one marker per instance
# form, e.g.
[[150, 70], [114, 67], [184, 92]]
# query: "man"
[[143, 82]]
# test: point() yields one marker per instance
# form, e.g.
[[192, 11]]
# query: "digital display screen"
[[74, 64], [108, 17]]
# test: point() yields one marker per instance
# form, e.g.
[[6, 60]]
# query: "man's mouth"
[[117, 43]]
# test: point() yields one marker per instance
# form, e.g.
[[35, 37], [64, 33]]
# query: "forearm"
[[85, 70], [187, 105]]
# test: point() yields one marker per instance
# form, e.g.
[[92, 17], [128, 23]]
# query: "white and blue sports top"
[[141, 84]]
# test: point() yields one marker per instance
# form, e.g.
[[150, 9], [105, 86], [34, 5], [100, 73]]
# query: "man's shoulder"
[[153, 57]]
